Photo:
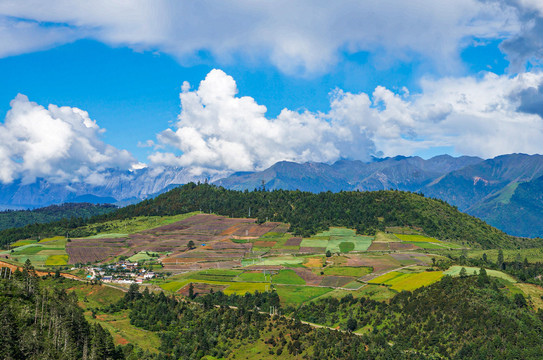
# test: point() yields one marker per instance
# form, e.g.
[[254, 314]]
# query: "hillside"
[[517, 210], [19, 218], [308, 213]]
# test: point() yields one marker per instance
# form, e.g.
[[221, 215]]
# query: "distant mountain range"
[[506, 191]]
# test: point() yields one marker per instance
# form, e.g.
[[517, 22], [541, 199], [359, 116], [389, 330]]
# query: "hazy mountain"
[[120, 187], [496, 190], [402, 173]]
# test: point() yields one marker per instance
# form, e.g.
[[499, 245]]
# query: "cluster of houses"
[[122, 272]]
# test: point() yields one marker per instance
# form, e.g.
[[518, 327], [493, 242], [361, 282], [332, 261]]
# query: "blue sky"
[[347, 80]]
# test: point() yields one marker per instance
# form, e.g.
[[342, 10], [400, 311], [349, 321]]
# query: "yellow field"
[[52, 239], [401, 281], [57, 260], [416, 238]]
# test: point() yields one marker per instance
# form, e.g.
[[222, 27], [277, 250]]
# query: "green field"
[[255, 276], [287, 277], [345, 247], [455, 271], [347, 271], [241, 288], [333, 239], [295, 295]]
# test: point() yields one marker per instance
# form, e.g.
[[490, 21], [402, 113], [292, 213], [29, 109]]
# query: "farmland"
[[236, 255]]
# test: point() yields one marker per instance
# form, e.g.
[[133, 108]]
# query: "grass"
[[142, 255], [95, 296], [123, 332], [287, 277], [347, 271], [296, 295], [416, 238], [375, 292], [174, 286], [455, 271], [534, 293], [57, 260], [408, 281]]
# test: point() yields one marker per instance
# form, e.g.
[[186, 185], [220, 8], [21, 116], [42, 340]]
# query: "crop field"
[[455, 271], [408, 281], [347, 271], [287, 277], [44, 253], [57, 260], [296, 295], [333, 239], [336, 281], [253, 276]]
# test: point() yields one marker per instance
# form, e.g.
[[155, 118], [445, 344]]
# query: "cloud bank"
[[298, 37], [218, 131], [61, 144]]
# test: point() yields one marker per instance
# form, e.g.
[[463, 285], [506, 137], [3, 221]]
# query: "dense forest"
[[19, 218], [471, 317], [307, 213], [37, 322]]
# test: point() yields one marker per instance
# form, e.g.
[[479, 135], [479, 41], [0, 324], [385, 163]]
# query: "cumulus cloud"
[[58, 143], [304, 36], [218, 131]]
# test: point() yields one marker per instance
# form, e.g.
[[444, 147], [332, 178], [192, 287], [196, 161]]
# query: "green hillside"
[[307, 213], [19, 218]]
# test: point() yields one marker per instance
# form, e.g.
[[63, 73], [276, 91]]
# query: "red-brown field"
[[312, 250], [84, 254], [295, 241], [265, 243], [378, 246], [402, 246], [309, 277], [212, 231]]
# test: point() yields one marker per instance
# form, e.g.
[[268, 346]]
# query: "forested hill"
[[308, 213], [19, 218]]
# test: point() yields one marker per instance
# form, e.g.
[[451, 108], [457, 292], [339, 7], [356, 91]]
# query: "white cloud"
[[305, 36], [218, 131], [57, 143]]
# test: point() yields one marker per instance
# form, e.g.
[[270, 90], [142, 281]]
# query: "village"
[[122, 272]]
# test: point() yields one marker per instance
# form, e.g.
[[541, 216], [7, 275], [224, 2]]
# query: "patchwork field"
[[236, 256], [46, 252]]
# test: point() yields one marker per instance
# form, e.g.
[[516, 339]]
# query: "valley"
[[270, 266]]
